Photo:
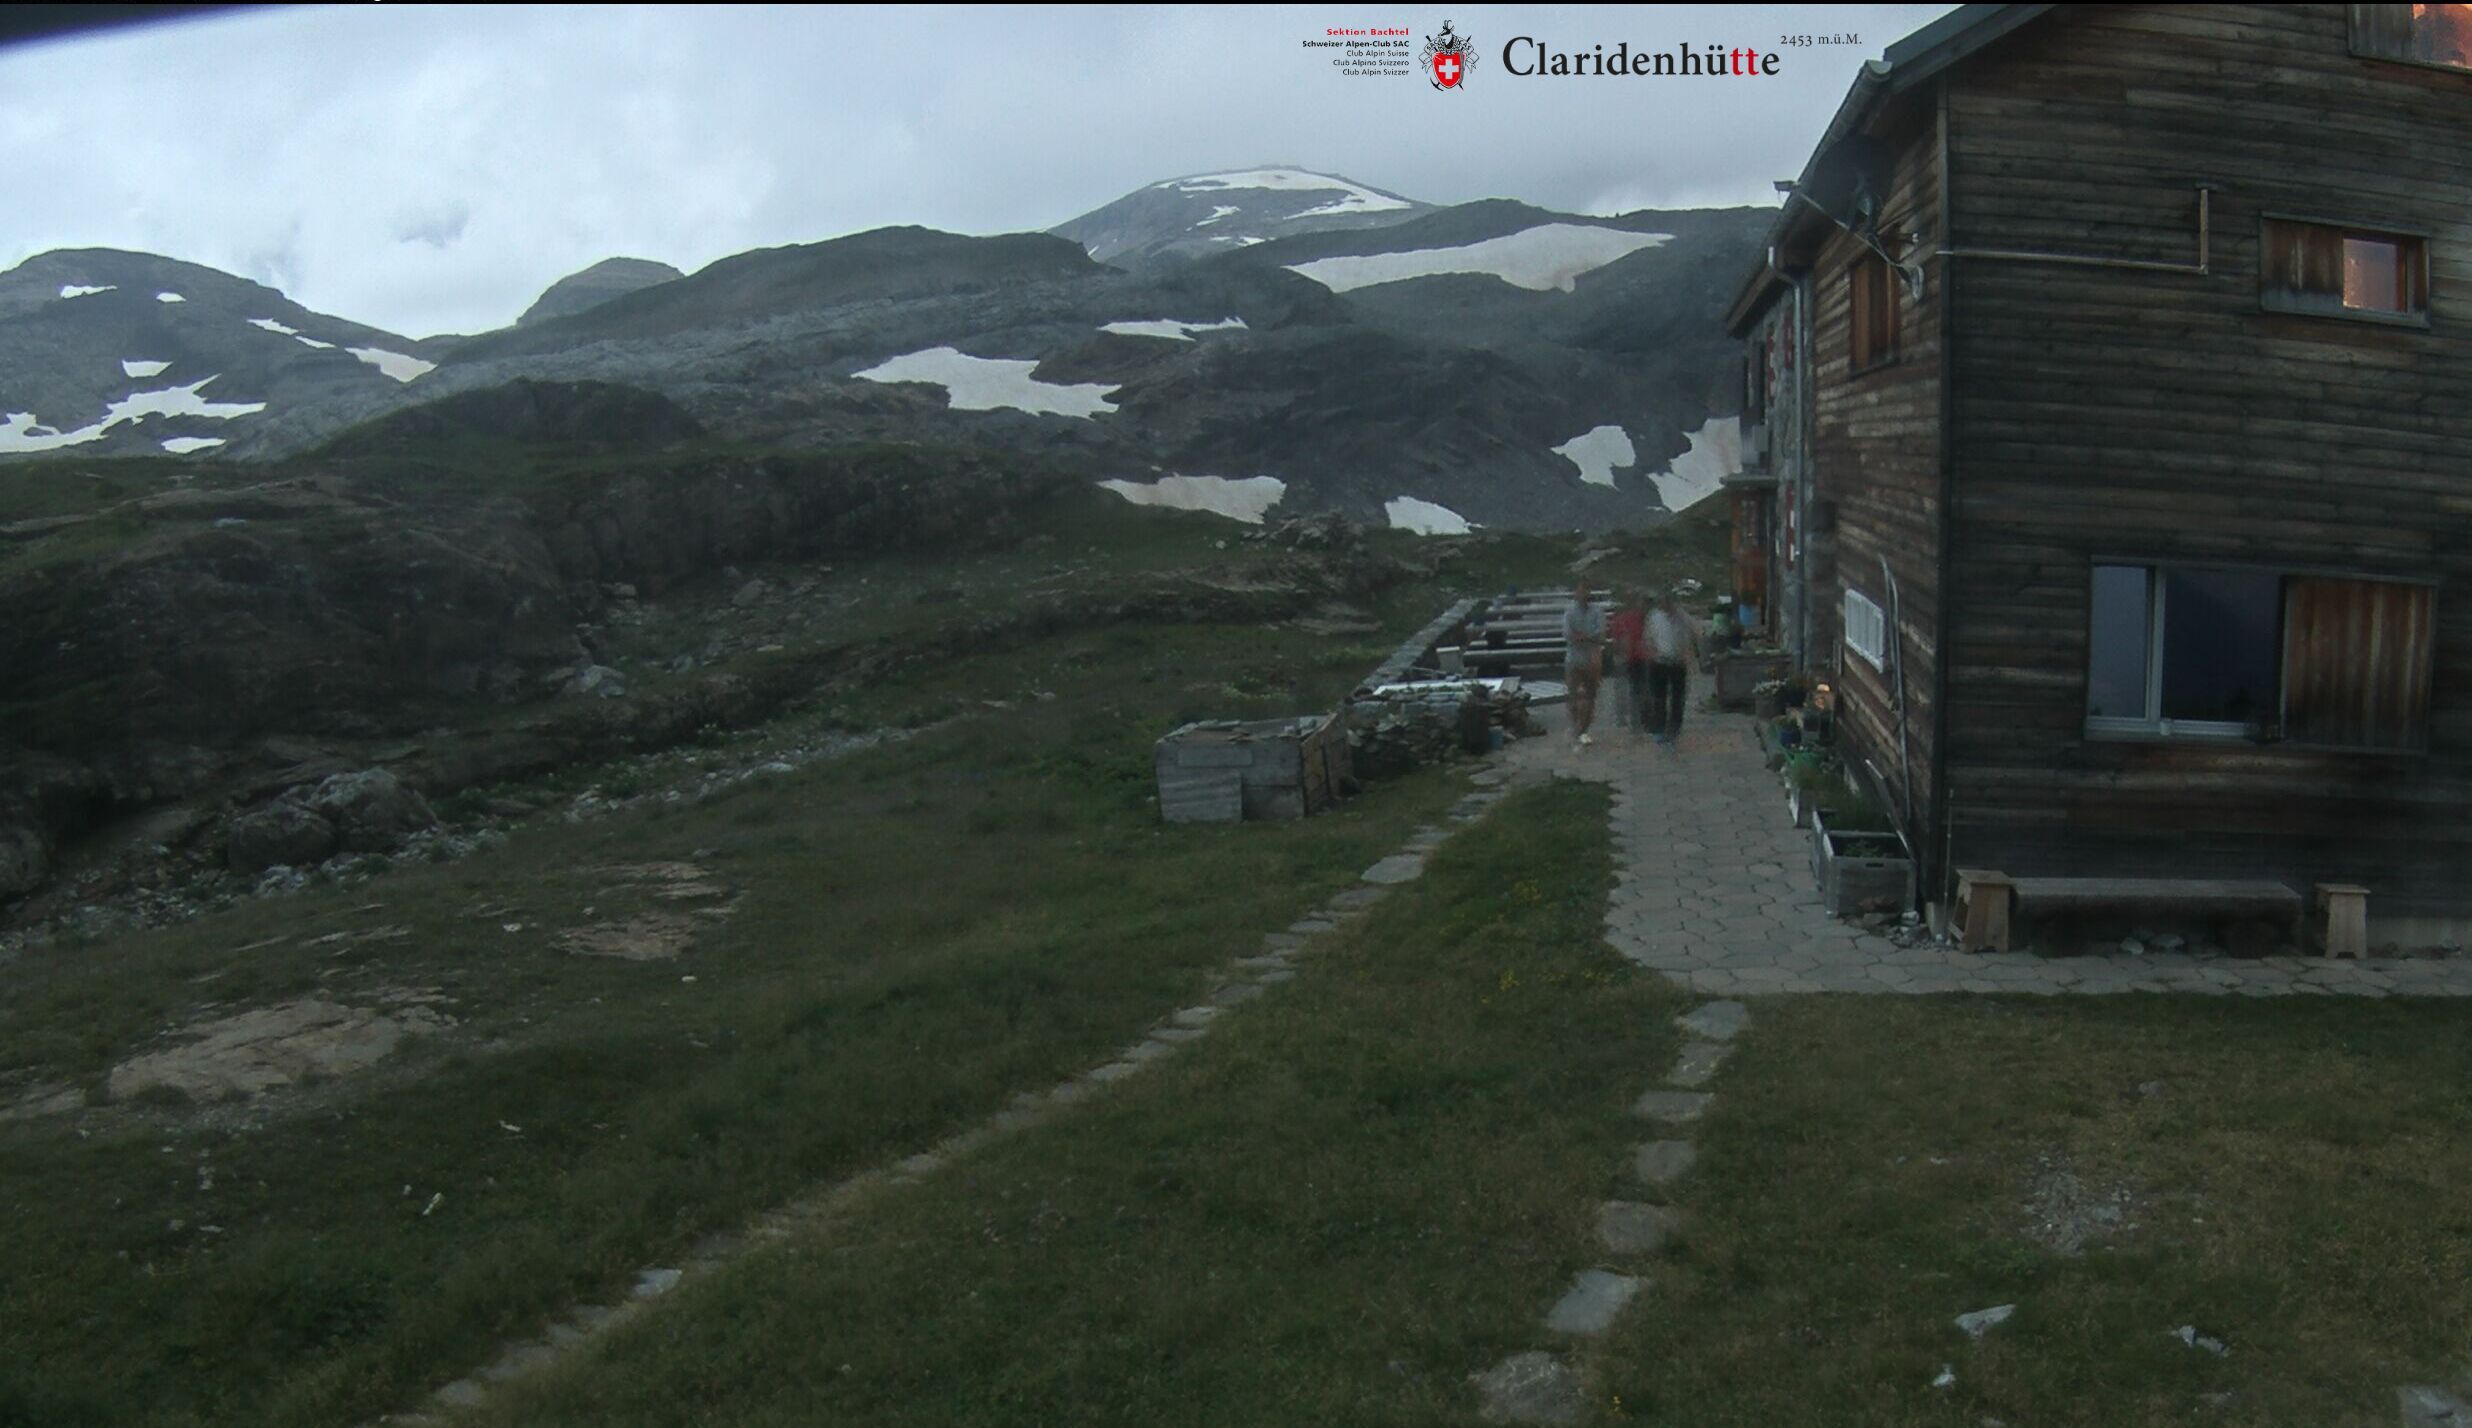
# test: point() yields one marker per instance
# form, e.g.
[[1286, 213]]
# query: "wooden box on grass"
[[1224, 770]]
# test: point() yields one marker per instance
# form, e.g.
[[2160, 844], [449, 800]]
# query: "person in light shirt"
[[1583, 626], [1673, 646]]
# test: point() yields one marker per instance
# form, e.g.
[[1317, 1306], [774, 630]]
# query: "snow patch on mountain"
[[1407, 513], [1169, 327], [1355, 198], [1597, 452], [70, 290], [169, 297], [979, 384], [393, 364], [1217, 212], [1715, 453], [20, 432], [295, 334], [183, 445], [133, 367], [1550, 255], [1239, 500]]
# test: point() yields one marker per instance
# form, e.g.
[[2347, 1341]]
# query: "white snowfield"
[[1424, 517], [1354, 198], [393, 364], [1550, 255], [1597, 452], [1169, 328], [294, 333], [70, 290], [169, 297], [981, 384], [1217, 212], [1239, 500], [1715, 453], [134, 367], [183, 445], [20, 432]]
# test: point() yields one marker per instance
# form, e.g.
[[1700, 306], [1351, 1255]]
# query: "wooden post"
[[2347, 919], [1983, 907]]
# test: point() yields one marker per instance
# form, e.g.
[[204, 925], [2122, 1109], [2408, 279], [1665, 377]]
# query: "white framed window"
[[1866, 629]]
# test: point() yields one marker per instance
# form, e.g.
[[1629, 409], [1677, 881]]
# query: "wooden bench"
[[1985, 901]]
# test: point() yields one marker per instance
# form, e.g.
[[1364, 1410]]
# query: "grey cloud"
[[432, 169]]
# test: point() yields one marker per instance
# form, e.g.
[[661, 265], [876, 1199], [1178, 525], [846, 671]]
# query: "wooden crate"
[[1224, 770]]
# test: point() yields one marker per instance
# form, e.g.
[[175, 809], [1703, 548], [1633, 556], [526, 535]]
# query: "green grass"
[[922, 930], [2293, 1172], [76, 486], [925, 929], [1334, 1208]]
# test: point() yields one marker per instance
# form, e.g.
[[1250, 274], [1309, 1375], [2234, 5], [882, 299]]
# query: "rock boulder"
[[282, 834], [371, 811]]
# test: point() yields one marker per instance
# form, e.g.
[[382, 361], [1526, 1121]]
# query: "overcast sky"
[[432, 169]]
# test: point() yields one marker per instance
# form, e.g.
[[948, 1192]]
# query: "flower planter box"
[[1858, 866]]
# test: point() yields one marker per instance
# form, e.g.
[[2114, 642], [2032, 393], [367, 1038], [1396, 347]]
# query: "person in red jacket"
[[1626, 635]]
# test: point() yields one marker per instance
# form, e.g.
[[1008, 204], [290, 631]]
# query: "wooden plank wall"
[[2102, 412], [1875, 454]]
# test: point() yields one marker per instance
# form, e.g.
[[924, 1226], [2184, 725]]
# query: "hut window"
[[2331, 271], [1866, 628], [1871, 295], [2174, 651], [2415, 34], [2210, 652]]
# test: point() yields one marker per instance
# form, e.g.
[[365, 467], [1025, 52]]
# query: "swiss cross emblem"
[[1449, 57]]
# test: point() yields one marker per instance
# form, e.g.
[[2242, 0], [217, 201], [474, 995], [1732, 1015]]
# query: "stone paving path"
[[1244, 980], [1542, 1386], [1715, 891]]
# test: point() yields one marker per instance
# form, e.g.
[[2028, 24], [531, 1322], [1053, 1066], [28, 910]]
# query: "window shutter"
[[2356, 659]]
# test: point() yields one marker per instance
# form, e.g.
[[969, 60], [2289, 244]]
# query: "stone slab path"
[[1715, 891], [1544, 1387]]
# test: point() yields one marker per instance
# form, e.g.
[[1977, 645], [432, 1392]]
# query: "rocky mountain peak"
[[606, 279], [1199, 216]]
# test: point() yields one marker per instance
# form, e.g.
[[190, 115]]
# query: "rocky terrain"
[[1345, 349], [107, 353], [298, 667]]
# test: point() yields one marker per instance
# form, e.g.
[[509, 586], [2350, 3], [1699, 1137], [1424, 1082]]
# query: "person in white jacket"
[[1673, 647]]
